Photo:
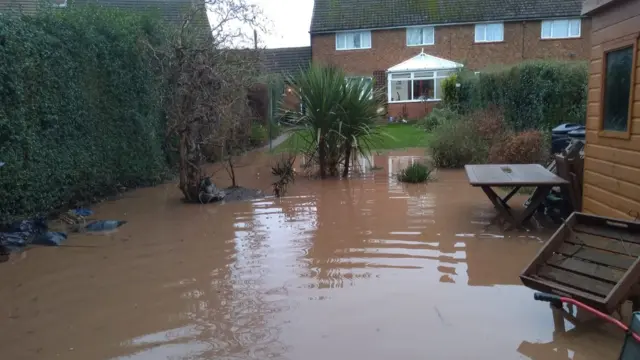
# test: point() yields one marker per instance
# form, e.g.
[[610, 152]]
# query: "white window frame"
[[437, 74], [483, 28], [361, 33], [554, 21], [422, 29], [362, 78]]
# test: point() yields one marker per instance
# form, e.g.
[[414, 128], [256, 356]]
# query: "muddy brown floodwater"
[[362, 269]]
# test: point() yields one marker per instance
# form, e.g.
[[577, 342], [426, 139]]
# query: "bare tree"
[[206, 87]]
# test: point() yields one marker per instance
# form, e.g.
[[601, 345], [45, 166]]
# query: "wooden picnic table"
[[516, 176]]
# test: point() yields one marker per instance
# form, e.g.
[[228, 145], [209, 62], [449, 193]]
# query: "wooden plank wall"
[[612, 166]]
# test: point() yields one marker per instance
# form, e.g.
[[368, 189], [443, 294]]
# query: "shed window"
[[617, 88]]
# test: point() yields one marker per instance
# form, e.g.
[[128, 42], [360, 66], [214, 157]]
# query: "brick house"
[[407, 46]]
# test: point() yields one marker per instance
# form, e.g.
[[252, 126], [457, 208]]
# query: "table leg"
[[539, 195], [499, 204], [509, 196]]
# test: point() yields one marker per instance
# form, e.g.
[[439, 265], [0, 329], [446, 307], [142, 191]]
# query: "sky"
[[288, 22]]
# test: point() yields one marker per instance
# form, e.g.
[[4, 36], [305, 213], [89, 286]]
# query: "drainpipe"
[[524, 28]]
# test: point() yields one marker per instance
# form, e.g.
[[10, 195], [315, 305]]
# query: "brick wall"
[[521, 42]]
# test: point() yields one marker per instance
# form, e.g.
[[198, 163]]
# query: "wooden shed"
[[612, 154]]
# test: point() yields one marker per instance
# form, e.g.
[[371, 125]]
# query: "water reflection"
[[361, 268]]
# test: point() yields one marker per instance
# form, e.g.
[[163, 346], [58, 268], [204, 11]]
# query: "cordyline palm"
[[320, 90], [358, 116], [337, 115]]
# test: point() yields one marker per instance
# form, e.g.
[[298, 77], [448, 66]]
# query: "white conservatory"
[[418, 79]]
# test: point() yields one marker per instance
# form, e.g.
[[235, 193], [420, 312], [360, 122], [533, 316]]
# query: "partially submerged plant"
[[415, 173], [338, 117], [285, 171]]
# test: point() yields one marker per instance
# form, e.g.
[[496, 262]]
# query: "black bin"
[[560, 137]]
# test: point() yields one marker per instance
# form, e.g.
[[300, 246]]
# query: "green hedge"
[[535, 94], [79, 108]]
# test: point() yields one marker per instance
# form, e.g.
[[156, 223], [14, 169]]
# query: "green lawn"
[[394, 136], [402, 136]]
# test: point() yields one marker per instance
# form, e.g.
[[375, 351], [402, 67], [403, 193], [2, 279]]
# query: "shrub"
[[456, 144], [488, 124], [437, 117], [521, 148], [259, 135], [415, 173], [451, 95], [533, 94], [79, 108]]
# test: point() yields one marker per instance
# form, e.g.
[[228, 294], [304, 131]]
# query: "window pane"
[[423, 89], [423, 74], [574, 27], [617, 86], [414, 36], [356, 41], [561, 28], [480, 32], [400, 90], [438, 94], [401, 76], [428, 36], [494, 32], [366, 39], [546, 29], [341, 41], [444, 73]]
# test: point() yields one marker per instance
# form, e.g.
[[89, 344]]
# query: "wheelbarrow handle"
[[547, 297], [555, 299]]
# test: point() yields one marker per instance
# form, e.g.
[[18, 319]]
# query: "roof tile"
[[286, 60], [337, 15]]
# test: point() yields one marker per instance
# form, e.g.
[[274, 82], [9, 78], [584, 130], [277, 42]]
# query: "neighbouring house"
[[408, 46], [612, 154], [284, 62], [287, 62]]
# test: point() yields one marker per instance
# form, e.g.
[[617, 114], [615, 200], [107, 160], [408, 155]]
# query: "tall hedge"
[[535, 94], [79, 108]]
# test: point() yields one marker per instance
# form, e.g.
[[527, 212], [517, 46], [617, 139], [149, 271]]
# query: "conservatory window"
[[416, 86]]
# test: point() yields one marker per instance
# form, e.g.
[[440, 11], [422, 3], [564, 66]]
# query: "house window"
[[367, 86], [353, 40], [489, 32], [417, 36], [617, 89], [416, 86], [560, 29]]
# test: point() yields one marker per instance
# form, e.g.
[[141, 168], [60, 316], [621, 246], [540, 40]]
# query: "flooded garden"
[[363, 252], [361, 268]]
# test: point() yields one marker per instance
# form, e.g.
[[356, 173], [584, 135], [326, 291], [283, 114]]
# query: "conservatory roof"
[[424, 61]]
